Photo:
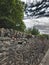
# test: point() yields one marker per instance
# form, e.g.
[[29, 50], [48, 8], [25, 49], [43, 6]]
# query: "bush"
[[44, 36], [33, 31]]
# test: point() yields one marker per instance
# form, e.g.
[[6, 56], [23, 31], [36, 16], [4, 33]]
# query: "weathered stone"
[[4, 38], [2, 32], [19, 42], [18, 48]]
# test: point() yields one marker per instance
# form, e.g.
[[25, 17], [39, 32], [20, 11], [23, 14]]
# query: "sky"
[[26, 0], [30, 0]]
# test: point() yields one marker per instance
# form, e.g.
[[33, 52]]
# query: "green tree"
[[11, 13]]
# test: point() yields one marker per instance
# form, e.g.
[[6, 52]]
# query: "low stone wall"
[[18, 48], [12, 33], [45, 60]]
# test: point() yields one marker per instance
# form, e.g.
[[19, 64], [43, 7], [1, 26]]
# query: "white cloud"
[[23, 0], [31, 0], [34, 1]]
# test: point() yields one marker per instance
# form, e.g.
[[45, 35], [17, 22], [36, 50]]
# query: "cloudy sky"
[[30, 0], [27, 0]]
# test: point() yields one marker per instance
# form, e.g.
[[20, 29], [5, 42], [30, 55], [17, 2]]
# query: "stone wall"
[[18, 48]]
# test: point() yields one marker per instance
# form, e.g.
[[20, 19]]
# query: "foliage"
[[23, 3], [12, 11], [33, 31], [44, 36], [28, 31]]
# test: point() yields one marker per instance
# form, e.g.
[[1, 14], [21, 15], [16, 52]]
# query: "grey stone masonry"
[[45, 60], [18, 48]]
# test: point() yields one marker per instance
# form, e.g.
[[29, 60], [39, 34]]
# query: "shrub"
[[33, 31], [44, 36]]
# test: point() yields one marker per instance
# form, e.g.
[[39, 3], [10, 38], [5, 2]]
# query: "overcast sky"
[[26, 0], [30, 0]]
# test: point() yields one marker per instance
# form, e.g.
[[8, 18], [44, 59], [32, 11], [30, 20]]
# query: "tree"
[[11, 13]]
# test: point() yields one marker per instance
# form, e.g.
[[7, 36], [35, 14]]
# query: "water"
[[42, 24]]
